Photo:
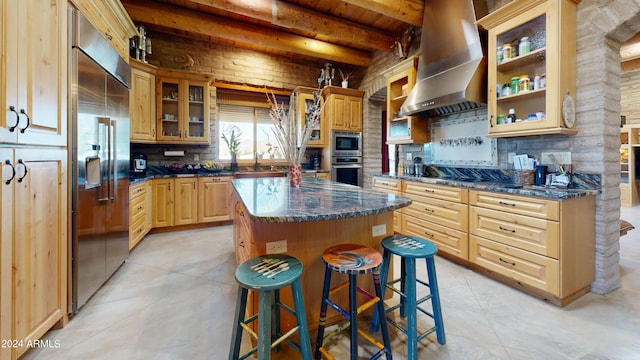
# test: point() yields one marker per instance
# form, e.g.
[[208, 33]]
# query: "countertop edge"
[[527, 190]]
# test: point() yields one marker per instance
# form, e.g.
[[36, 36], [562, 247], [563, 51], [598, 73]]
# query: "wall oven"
[[347, 170], [346, 143]]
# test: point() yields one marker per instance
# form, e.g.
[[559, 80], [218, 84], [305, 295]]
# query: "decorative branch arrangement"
[[286, 129]]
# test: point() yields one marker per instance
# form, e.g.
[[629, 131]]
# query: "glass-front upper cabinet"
[[531, 68], [317, 138], [183, 111]]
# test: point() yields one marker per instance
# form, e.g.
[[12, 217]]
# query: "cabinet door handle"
[[429, 234], [153, 133], [13, 170], [429, 190], [25, 170], [108, 36], [429, 210], [507, 262], [13, 109], [28, 120], [491, 121], [506, 203], [194, 185], [169, 186], [505, 229]]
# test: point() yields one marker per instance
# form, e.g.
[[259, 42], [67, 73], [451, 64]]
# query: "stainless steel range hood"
[[452, 68]]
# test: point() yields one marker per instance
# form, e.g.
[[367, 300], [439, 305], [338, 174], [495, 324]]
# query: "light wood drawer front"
[[447, 240], [136, 190], [446, 213], [136, 232], [392, 185], [137, 208], [536, 207], [532, 269], [527, 233], [435, 191]]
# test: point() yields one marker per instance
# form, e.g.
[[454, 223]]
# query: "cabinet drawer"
[[136, 232], [137, 208], [447, 240], [136, 191], [523, 266], [393, 185], [445, 213], [527, 233], [435, 191], [536, 207]]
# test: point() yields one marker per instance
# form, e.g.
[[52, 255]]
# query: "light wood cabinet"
[[148, 218], [318, 136], [550, 26], [343, 109], [213, 199], [163, 208], [403, 129], [139, 213], [33, 261], [545, 247], [112, 21], [243, 241], [439, 214], [142, 100], [324, 175], [390, 186], [186, 201], [182, 108], [34, 73]]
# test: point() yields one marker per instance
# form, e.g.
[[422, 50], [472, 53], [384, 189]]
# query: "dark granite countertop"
[[529, 190], [272, 200]]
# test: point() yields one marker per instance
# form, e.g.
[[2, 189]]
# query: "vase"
[[234, 163], [295, 175], [345, 84]]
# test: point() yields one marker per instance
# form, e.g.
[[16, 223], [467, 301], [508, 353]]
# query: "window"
[[247, 114]]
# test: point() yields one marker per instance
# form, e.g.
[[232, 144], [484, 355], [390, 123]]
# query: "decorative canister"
[[295, 174], [524, 177], [523, 83], [515, 81], [524, 46], [507, 51]]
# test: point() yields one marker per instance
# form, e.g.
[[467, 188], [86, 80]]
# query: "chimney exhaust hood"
[[452, 70]]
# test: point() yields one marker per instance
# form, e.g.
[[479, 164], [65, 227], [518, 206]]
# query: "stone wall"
[[630, 96]]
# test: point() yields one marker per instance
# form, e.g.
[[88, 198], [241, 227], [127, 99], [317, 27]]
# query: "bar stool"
[[410, 248], [352, 259], [268, 274]]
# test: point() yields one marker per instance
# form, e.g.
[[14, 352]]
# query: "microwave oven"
[[346, 143]]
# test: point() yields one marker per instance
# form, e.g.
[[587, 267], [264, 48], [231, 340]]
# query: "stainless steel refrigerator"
[[100, 162]]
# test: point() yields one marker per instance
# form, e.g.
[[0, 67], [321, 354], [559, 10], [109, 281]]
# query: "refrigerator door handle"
[[106, 122], [113, 158]]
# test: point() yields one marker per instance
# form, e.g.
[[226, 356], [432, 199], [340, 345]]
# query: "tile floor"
[[174, 299]]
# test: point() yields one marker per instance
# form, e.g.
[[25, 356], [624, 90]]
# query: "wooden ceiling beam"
[[241, 34], [296, 17], [408, 11]]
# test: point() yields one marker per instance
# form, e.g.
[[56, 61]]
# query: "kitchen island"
[[271, 216]]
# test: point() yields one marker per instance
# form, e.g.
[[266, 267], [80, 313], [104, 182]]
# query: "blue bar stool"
[[352, 259], [268, 274], [410, 248]]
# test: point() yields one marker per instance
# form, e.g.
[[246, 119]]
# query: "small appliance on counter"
[[139, 164], [315, 161]]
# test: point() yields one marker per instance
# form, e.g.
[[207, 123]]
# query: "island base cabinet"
[[307, 241]]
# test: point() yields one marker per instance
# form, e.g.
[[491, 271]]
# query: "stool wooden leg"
[[264, 324], [323, 311], [411, 299], [435, 299], [301, 317], [236, 337], [382, 316], [275, 317], [353, 315]]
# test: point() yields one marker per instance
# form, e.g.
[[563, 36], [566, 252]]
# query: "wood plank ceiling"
[[343, 31]]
